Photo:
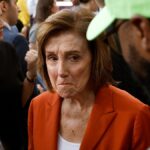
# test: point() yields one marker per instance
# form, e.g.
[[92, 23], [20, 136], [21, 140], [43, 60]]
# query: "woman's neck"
[[75, 114]]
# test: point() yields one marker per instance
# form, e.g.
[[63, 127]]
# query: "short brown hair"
[[76, 21]]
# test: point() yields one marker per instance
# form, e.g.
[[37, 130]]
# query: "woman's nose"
[[62, 70]]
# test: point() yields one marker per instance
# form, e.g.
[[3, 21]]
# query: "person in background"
[[89, 5], [23, 14], [24, 17], [31, 6], [11, 82], [14, 88], [10, 33], [131, 52], [81, 102], [13, 91], [9, 18], [6, 80], [43, 10]]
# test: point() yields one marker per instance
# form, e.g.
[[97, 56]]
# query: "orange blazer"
[[118, 122]]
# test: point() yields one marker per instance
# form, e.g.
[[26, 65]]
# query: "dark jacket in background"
[[127, 79], [20, 43], [11, 81]]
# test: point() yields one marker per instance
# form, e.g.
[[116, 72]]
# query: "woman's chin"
[[66, 93]]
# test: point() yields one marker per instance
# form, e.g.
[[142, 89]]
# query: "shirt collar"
[[6, 25]]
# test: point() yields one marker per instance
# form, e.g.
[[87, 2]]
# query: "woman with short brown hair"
[[81, 109]]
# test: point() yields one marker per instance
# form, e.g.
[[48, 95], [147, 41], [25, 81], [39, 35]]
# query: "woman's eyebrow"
[[73, 52]]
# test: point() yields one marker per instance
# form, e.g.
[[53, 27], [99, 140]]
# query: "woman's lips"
[[64, 84]]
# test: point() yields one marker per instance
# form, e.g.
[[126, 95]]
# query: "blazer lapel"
[[100, 120], [52, 125]]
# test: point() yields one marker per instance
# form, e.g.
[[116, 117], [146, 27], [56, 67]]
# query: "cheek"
[[82, 75], [52, 75]]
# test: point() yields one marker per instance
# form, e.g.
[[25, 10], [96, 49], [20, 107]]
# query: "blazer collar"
[[100, 120], [53, 118]]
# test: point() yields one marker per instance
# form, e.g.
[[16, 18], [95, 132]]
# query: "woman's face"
[[68, 62]]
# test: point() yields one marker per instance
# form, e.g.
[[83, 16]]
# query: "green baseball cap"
[[116, 9]]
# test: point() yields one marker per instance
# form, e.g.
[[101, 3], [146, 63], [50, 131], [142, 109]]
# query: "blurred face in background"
[[134, 37], [13, 11], [68, 62], [10, 12]]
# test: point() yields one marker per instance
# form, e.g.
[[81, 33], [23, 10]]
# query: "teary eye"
[[74, 57]]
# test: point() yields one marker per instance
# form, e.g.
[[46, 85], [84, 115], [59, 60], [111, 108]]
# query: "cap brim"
[[99, 23]]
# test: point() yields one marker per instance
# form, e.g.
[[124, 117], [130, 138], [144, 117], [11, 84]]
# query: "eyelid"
[[51, 56], [74, 57], [73, 53]]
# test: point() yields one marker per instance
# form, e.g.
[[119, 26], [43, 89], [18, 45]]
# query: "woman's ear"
[[142, 26]]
